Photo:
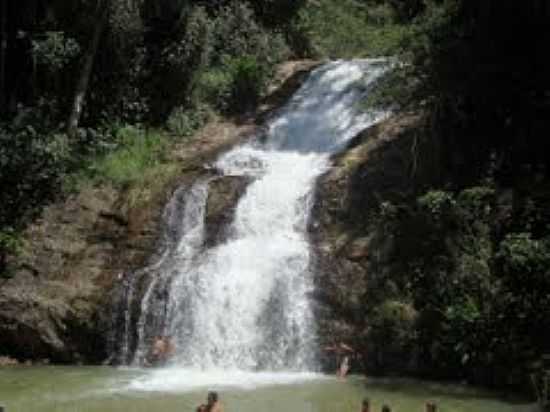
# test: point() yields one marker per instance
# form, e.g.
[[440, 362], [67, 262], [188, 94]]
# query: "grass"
[[151, 183], [138, 152], [139, 164]]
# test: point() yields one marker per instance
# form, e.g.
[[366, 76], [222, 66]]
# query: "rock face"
[[389, 162], [56, 306], [72, 258], [223, 195]]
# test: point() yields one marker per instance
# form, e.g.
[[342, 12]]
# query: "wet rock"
[[7, 361], [389, 162], [223, 196], [358, 249]]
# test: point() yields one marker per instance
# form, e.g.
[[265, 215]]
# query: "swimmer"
[[213, 403], [431, 407], [344, 368]]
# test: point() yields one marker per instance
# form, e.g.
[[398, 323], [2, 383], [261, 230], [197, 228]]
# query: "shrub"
[[236, 85], [222, 58], [393, 332], [10, 244], [476, 202], [348, 29], [213, 87], [396, 89], [138, 151], [54, 51], [237, 34], [525, 262], [437, 203], [183, 123], [32, 164], [248, 81]]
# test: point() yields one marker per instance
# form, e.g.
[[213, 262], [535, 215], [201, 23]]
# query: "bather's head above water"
[[212, 397]]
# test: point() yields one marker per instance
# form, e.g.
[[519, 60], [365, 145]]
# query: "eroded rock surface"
[[223, 195], [389, 162]]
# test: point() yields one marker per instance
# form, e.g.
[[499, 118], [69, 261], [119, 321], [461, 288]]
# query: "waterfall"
[[244, 303]]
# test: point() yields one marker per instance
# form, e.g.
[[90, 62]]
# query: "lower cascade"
[[243, 304]]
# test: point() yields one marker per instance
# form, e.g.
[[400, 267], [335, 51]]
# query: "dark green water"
[[94, 389]]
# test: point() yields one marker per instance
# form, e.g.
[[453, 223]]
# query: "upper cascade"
[[325, 113]]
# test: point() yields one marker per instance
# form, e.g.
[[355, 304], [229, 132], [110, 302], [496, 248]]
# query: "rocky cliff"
[[56, 306], [390, 162]]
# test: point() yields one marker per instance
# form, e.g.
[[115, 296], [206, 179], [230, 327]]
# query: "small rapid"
[[243, 305]]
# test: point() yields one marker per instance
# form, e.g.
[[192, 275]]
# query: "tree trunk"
[[84, 78]]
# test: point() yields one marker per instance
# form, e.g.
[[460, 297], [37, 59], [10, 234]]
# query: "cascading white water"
[[248, 296], [186, 231], [244, 304]]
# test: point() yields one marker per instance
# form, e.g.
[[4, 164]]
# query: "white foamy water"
[[189, 380], [239, 312]]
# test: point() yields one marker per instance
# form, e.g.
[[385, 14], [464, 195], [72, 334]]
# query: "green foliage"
[[481, 256], [213, 87], [395, 90], [236, 86], [347, 28], [32, 164], [392, 329], [55, 50], [248, 81], [10, 241], [158, 63], [183, 123], [393, 324], [237, 33], [138, 150], [406, 10], [437, 203], [10, 245], [477, 297], [221, 58], [525, 262], [477, 200], [194, 46], [277, 13], [245, 57]]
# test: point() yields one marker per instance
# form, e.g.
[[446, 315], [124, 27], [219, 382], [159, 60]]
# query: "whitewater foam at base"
[[240, 310], [189, 380]]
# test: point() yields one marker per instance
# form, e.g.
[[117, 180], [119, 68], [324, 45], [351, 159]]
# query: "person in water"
[[170, 347], [158, 347], [386, 408], [365, 406], [162, 349], [431, 407], [344, 368], [341, 354], [213, 403]]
